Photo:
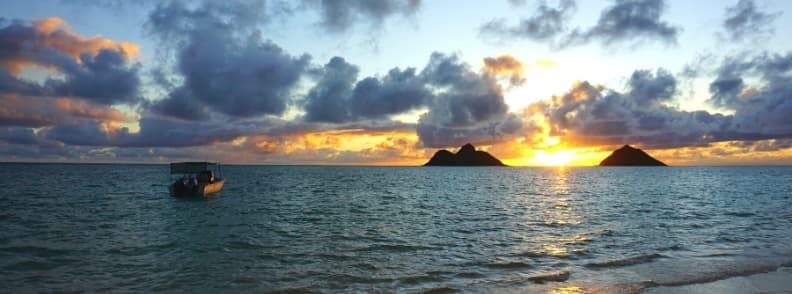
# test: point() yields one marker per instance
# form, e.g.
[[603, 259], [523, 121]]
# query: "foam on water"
[[307, 229]]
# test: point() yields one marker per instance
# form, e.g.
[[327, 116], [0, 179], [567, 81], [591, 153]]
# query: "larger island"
[[466, 156]]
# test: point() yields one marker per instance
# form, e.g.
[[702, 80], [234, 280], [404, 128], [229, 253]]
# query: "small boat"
[[195, 178]]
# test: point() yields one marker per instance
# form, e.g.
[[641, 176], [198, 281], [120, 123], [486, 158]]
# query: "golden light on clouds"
[[56, 33], [352, 146]]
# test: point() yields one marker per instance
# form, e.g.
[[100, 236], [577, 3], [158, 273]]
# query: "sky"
[[357, 82]]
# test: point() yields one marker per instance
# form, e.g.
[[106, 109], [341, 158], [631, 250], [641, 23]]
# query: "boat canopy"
[[191, 167]]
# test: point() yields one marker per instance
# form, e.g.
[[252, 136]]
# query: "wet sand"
[[779, 281]]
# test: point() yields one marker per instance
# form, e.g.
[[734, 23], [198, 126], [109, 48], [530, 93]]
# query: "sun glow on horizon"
[[553, 158]]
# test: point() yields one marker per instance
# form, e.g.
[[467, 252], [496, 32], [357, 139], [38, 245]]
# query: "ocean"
[[108, 227]]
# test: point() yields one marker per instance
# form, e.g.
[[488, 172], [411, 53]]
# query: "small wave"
[[412, 280], [722, 275], [508, 265], [394, 248], [293, 291], [32, 265], [531, 253], [355, 279], [559, 276], [441, 290], [141, 250], [676, 247], [633, 260], [36, 251], [717, 254], [739, 214], [469, 275], [575, 254]]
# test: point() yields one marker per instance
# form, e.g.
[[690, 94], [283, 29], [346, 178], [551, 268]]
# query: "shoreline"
[[772, 281]]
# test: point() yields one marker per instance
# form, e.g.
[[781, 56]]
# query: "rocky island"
[[629, 156], [466, 156]]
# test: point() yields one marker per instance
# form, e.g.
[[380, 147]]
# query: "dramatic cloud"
[[25, 43], [225, 64], [327, 101], [42, 111], [103, 78], [628, 20], [462, 105], [339, 16], [591, 115], [470, 109], [95, 69], [546, 23], [154, 132], [337, 98], [761, 109], [26, 136], [745, 22]]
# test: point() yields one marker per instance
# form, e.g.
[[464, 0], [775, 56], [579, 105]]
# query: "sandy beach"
[[779, 281]]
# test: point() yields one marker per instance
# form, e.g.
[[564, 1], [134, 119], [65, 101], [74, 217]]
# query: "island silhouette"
[[629, 156], [466, 156]]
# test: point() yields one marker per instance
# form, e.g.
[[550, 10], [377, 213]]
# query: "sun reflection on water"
[[567, 290]]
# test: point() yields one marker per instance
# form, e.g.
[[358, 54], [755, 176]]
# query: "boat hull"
[[202, 189]]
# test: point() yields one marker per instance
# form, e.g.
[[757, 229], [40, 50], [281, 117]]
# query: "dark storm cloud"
[[339, 16], [594, 115], [18, 135], [762, 107], [104, 78], [225, 64], [628, 20], [180, 104], [154, 132], [33, 111], [471, 107], [468, 98], [546, 23], [648, 89], [434, 135], [337, 97], [462, 104], [94, 69], [327, 100], [397, 92], [10, 84], [745, 22], [162, 132]]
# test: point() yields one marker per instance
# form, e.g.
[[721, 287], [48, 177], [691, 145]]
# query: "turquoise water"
[[114, 227]]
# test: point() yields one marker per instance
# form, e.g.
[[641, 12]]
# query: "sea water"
[[71, 227]]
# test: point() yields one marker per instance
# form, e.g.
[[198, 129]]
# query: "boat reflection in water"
[[195, 179]]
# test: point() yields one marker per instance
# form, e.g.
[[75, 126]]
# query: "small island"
[[466, 156], [629, 156]]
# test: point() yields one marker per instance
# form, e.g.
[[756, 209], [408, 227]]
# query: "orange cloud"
[[40, 111], [505, 65], [84, 109], [354, 146], [55, 33]]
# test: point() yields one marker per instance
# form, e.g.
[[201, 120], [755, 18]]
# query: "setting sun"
[[553, 158]]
